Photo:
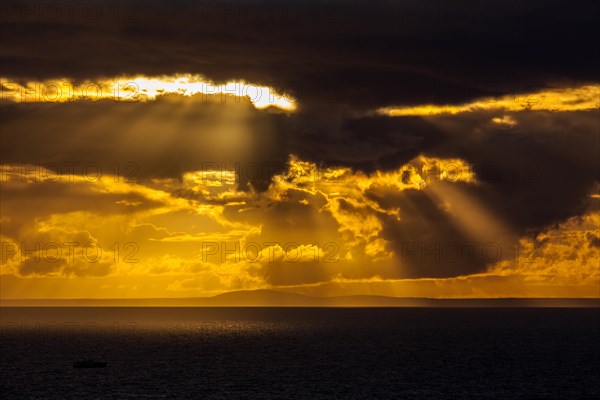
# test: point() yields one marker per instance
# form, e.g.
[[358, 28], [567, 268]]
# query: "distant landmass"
[[271, 298]]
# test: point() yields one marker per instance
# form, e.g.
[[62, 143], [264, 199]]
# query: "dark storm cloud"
[[427, 242], [531, 176], [365, 143], [536, 173], [138, 141], [362, 54], [177, 134]]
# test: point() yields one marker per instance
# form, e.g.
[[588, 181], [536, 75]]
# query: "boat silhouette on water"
[[89, 364]]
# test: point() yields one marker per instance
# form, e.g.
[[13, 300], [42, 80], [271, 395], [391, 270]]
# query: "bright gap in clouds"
[[140, 88], [147, 88], [564, 99]]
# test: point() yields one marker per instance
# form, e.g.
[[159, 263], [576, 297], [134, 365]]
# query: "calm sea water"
[[300, 353]]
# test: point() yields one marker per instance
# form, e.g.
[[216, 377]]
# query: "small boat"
[[89, 364]]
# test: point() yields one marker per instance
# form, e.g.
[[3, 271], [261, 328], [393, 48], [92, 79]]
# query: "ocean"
[[300, 353]]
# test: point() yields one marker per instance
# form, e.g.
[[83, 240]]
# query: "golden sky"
[[88, 230]]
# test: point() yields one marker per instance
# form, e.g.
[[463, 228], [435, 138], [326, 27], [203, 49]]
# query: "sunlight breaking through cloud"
[[564, 99], [140, 88]]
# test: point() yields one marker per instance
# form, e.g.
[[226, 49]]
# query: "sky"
[[410, 149]]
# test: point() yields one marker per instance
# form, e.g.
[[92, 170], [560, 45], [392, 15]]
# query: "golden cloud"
[[315, 230], [140, 88], [560, 99]]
